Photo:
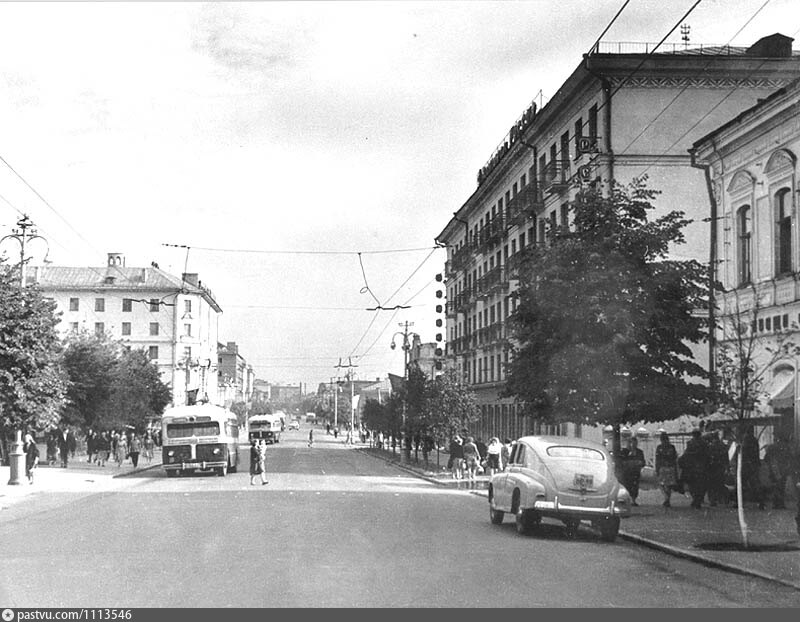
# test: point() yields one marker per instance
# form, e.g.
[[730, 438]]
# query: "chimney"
[[773, 46], [190, 278], [116, 259]]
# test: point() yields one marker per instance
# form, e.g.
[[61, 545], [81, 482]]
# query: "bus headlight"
[[217, 451], [171, 453]]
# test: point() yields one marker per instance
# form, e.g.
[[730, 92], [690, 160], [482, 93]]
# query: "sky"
[[300, 157]]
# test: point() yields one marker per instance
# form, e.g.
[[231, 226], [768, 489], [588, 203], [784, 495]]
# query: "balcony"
[[492, 282], [491, 233], [556, 176], [492, 334], [524, 206]]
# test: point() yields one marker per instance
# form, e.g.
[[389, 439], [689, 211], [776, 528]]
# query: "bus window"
[[185, 430]]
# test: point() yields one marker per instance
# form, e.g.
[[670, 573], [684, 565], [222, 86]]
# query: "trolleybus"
[[201, 437], [267, 427]]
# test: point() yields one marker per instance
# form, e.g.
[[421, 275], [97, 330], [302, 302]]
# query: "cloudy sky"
[[307, 153]]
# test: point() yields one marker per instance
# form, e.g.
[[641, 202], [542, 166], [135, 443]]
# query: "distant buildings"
[[623, 111], [235, 378], [174, 319]]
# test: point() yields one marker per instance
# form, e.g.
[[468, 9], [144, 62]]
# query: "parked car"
[[567, 479], [294, 424]]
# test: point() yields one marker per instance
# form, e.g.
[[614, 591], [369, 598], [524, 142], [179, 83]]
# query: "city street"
[[333, 528]]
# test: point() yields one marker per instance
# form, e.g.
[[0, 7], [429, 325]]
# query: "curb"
[[653, 544], [136, 470]]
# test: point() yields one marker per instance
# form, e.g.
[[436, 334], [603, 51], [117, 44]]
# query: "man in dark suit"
[[66, 445]]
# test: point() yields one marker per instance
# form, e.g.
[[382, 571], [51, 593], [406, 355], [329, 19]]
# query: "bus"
[[267, 427], [201, 437]]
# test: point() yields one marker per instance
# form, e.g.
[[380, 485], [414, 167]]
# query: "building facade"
[[752, 174], [175, 320], [235, 378], [622, 113]]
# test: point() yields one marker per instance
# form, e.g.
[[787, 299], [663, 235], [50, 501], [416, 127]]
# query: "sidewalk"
[[710, 535], [79, 476]]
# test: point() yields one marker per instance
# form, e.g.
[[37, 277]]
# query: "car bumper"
[[203, 466], [554, 508]]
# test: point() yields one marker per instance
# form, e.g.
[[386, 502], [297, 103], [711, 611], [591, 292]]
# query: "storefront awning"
[[784, 398]]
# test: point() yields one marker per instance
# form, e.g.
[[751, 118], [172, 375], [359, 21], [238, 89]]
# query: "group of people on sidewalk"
[[707, 469], [468, 457]]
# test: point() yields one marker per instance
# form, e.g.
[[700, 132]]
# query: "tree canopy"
[[605, 319], [110, 386], [32, 382]]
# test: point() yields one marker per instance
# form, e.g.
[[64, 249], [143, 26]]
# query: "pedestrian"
[[311, 437], [505, 453], [122, 449], [693, 464], [91, 449], [31, 456], [718, 465], [493, 452], [52, 447], [336, 432], [778, 458], [257, 462], [632, 466], [148, 444], [455, 463], [103, 448], [134, 449], [327, 429], [666, 467], [65, 442], [472, 459]]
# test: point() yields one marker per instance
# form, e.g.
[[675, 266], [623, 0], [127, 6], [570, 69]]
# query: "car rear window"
[[583, 453]]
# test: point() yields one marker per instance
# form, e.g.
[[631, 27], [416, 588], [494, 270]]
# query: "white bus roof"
[[198, 410]]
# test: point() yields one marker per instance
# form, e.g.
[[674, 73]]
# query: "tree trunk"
[[740, 498]]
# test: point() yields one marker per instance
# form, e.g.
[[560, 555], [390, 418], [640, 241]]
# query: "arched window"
[[783, 231], [744, 247]]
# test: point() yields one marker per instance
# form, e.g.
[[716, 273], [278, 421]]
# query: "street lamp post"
[[406, 347], [16, 457]]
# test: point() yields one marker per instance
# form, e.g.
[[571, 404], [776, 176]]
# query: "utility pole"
[[349, 376], [17, 455], [335, 388]]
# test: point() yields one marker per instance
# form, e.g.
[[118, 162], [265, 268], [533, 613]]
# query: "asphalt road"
[[333, 528]]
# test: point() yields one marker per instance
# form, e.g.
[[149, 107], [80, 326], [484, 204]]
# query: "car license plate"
[[582, 481]]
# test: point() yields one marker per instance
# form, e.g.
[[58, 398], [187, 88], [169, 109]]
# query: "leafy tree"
[[452, 407], [602, 331], [89, 362], [110, 386], [137, 392], [375, 415], [32, 382]]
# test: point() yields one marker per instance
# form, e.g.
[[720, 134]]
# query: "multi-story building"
[[174, 319], [752, 166], [234, 376], [623, 112]]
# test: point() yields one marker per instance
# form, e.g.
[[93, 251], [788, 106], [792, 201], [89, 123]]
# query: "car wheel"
[[222, 471], [572, 528], [526, 521], [609, 529], [496, 516]]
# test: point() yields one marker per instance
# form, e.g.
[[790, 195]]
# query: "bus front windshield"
[[185, 430]]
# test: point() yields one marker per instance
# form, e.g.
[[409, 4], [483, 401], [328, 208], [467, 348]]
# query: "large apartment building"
[[752, 166], [174, 319], [623, 112]]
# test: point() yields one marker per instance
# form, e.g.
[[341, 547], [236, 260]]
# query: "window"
[[578, 134], [565, 147], [783, 231], [73, 304], [127, 305], [187, 353], [126, 329], [521, 240], [153, 329], [73, 327], [99, 329], [187, 306], [593, 121], [187, 330], [99, 304], [744, 234], [565, 214], [154, 306], [152, 352]]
